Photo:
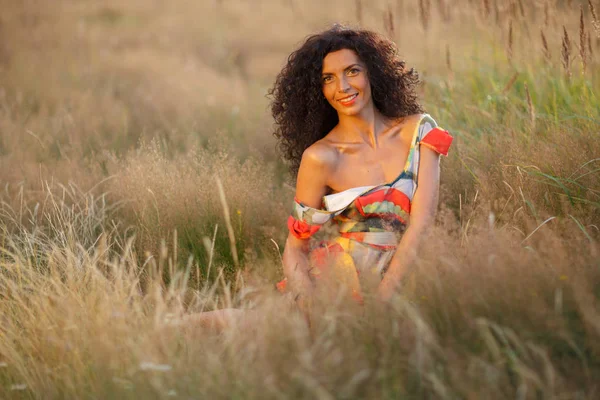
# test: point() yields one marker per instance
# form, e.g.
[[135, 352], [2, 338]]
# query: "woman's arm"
[[422, 213], [311, 186], [295, 268]]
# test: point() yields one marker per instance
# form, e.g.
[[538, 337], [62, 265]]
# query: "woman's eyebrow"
[[345, 69], [352, 66]]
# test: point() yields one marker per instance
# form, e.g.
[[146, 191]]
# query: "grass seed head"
[[513, 8], [530, 107], [510, 83], [444, 10], [486, 7], [545, 48], [595, 21], [566, 52], [509, 48], [388, 22], [424, 9], [582, 41], [448, 59], [497, 14], [521, 8]]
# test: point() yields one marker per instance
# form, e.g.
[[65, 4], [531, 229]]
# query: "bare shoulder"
[[320, 155], [318, 162], [313, 176]]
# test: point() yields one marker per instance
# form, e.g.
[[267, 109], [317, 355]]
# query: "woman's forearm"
[[403, 258], [295, 268]]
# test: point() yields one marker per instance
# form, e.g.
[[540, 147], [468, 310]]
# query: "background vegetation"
[[140, 182]]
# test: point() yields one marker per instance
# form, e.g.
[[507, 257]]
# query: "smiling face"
[[345, 82]]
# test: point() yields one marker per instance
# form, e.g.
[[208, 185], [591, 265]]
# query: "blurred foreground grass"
[[116, 118]]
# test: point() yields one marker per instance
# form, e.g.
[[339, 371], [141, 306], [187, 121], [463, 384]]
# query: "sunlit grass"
[[118, 120]]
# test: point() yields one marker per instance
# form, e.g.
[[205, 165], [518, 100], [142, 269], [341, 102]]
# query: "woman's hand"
[[421, 218], [295, 268], [391, 282], [385, 291], [304, 303]]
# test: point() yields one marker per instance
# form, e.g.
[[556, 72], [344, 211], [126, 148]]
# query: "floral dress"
[[355, 233]]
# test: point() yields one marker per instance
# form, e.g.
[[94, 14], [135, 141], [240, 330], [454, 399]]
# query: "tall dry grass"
[[483, 315], [165, 197], [116, 119]]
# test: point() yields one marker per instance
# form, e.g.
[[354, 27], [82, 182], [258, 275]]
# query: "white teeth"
[[348, 99]]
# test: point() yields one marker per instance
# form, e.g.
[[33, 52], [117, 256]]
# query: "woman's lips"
[[348, 101]]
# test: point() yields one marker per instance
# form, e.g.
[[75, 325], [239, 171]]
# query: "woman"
[[348, 120], [367, 159]]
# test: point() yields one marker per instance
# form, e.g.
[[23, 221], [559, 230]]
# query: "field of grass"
[[140, 182]]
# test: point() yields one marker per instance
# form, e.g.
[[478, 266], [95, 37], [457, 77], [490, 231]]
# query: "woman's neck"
[[364, 127]]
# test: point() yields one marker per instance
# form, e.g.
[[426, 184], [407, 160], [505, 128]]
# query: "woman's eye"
[[353, 71], [326, 79]]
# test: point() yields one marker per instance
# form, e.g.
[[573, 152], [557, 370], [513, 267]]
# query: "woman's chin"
[[349, 111]]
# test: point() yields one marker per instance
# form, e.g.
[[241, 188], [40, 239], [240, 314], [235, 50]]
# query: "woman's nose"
[[343, 85]]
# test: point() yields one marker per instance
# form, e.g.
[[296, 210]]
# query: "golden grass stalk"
[[388, 21], [443, 10], [230, 231], [448, 59], [513, 8], [546, 13], [209, 245], [595, 21], [582, 41], [497, 13], [359, 11], [424, 8], [566, 52], [521, 8], [486, 8], [509, 48], [510, 83], [545, 48], [530, 107]]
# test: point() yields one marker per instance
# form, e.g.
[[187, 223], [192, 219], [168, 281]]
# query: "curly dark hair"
[[301, 112]]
